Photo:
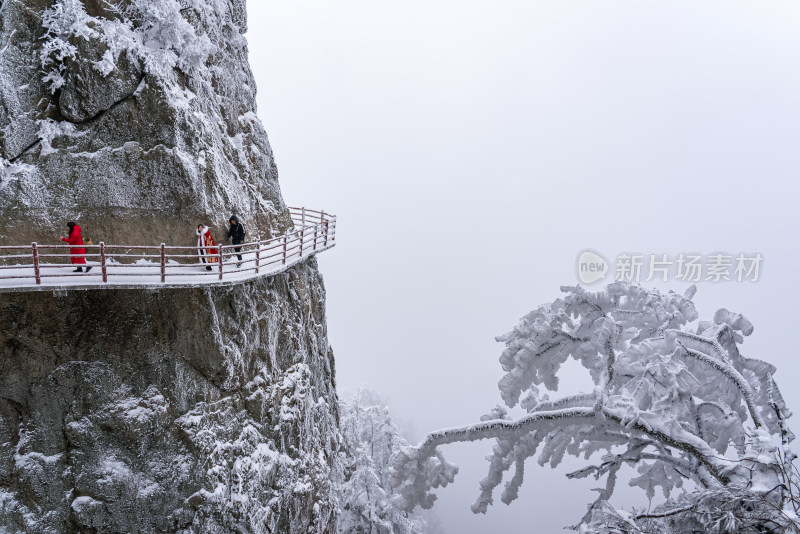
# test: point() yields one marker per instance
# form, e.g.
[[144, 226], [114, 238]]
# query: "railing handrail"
[[313, 232]]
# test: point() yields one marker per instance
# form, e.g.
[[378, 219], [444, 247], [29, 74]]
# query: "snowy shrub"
[[673, 398], [369, 441], [260, 484], [154, 32]]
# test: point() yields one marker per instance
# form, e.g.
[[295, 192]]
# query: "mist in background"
[[472, 149]]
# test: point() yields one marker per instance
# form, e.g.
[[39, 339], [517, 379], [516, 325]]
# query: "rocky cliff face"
[[196, 410], [171, 410], [134, 117]]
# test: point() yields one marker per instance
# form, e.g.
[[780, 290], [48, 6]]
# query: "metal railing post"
[[285, 238], [219, 250], [302, 236], [303, 219], [163, 263], [103, 262], [316, 228], [324, 222], [327, 229], [258, 253], [36, 272]]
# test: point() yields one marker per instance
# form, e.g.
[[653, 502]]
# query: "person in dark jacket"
[[76, 252], [236, 234]]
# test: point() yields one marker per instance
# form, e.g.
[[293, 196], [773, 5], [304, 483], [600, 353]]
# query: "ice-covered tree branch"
[[673, 392], [412, 458]]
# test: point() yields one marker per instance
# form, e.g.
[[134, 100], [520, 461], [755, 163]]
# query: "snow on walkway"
[[314, 232]]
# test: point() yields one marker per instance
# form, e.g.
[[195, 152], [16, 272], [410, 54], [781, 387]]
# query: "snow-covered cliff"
[[172, 410], [135, 117], [165, 410]]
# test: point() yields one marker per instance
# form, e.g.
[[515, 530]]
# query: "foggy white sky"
[[472, 149]]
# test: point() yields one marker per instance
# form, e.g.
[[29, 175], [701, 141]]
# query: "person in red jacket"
[[74, 238], [204, 239]]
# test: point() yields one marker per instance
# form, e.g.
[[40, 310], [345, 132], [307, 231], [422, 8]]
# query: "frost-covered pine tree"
[[370, 439], [673, 398]]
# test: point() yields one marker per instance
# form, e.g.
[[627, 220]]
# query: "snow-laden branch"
[[499, 427], [673, 392], [732, 374], [412, 459], [696, 342], [673, 437]]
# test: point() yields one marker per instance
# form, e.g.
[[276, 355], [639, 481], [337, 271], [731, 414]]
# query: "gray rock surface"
[[24, 98], [173, 410], [196, 410], [87, 92], [142, 147]]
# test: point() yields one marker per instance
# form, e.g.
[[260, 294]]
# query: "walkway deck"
[[46, 267]]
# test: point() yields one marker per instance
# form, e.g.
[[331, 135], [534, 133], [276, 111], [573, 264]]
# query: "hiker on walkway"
[[76, 253], [204, 239], [236, 233]]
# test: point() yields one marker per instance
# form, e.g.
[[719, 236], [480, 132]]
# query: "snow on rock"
[[198, 410], [135, 118], [188, 410], [250, 468]]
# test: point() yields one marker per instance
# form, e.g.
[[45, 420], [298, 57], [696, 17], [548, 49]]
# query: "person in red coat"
[[204, 239], [74, 238]]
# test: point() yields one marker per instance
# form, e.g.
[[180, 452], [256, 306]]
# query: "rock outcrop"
[[196, 410], [173, 410], [134, 117]]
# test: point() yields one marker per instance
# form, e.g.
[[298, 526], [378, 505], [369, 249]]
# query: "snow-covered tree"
[[672, 398], [370, 439]]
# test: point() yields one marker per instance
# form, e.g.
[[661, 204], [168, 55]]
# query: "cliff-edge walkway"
[[46, 267]]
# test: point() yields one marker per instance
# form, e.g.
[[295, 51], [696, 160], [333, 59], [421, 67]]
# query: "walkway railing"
[[36, 265]]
